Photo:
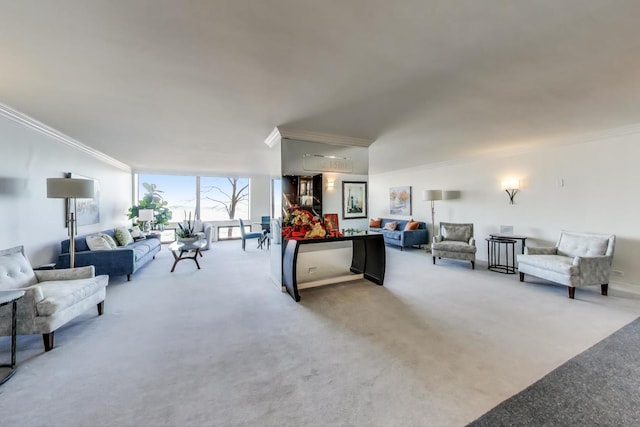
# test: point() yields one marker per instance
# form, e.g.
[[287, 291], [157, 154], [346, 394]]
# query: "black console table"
[[368, 258]]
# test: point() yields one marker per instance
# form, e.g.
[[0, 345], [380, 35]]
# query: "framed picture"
[[354, 199], [400, 200], [87, 210], [331, 223]]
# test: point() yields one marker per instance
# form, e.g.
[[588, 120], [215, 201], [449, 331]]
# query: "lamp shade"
[[145, 215], [62, 188], [431, 195], [511, 184]]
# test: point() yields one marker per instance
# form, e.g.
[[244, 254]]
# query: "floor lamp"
[[70, 188], [432, 196]]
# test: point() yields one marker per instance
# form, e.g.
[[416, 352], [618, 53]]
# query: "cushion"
[[392, 225], [582, 245], [412, 225], [98, 243], [460, 233], [123, 236], [375, 222], [109, 240], [136, 232], [453, 246], [16, 272]]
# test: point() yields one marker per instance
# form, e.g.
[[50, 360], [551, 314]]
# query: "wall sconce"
[[511, 186], [330, 184]]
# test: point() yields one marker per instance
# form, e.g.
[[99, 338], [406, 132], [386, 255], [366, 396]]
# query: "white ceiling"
[[196, 86]]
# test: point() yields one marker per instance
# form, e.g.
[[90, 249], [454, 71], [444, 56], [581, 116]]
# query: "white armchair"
[[578, 259], [204, 230], [52, 297]]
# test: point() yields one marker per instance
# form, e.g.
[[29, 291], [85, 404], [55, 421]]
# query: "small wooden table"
[[10, 297], [178, 249]]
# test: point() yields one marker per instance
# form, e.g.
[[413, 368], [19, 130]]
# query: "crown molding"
[[305, 135], [33, 124]]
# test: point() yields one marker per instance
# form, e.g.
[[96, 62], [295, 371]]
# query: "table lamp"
[[145, 216]]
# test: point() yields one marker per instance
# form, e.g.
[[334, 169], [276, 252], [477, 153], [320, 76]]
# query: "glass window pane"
[[223, 198], [179, 191]]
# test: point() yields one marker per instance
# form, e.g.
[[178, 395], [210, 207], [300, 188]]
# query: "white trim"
[[33, 124], [305, 135]]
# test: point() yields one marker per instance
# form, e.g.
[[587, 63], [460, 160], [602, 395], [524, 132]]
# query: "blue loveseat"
[[117, 262], [400, 236]]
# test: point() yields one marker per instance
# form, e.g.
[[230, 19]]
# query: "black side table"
[[494, 258], [10, 297]]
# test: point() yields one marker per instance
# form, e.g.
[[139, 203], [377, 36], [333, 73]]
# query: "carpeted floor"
[[436, 346], [599, 387]]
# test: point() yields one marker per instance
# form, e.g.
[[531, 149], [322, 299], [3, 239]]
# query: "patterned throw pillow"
[[375, 222], [109, 240], [123, 236], [97, 243], [136, 232], [392, 225], [412, 225]]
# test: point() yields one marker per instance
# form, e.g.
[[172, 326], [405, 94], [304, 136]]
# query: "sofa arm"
[[540, 251], [472, 241], [66, 274], [208, 231], [593, 270], [437, 239]]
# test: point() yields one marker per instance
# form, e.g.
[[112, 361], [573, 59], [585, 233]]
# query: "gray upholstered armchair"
[[455, 241], [578, 259], [52, 297]]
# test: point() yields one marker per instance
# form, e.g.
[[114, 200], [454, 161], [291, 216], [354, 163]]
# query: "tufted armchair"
[[455, 241], [578, 259], [52, 297]]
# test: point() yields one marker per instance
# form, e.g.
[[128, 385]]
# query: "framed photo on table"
[[354, 199], [331, 223]]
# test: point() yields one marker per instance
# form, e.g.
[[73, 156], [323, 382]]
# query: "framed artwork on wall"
[[354, 199], [87, 210], [400, 200]]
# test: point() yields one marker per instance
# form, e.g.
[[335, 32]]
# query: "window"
[[218, 198], [224, 198]]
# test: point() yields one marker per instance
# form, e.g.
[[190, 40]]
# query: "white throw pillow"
[[97, 243], [136, 232]]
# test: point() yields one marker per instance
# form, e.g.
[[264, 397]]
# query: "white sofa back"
[[574, 244]]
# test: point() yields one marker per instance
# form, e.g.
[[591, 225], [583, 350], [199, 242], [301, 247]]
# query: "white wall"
[[600, 195], [28, 217]]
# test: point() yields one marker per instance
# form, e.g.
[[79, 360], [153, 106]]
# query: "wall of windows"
[[209, 198]]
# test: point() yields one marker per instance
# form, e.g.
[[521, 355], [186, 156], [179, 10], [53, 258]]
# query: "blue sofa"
[[123, 260], [400, 237]]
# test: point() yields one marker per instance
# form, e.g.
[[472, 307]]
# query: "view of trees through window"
[[218, 198]]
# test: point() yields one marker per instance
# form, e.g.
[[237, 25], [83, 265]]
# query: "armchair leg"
[[100, 308], [473, 265], [243, 244], [47, 339], [572, 292], [434, 260], [522, 277], [604, 288], [128, 277]]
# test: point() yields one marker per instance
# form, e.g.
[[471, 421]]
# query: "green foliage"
[[186, 230], [152, 199]]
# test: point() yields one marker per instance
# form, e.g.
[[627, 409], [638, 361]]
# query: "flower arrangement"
[[301, 224]]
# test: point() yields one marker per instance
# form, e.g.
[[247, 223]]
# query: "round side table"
[[495, 246]]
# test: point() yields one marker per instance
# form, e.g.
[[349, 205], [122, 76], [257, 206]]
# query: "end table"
[[10, 297]]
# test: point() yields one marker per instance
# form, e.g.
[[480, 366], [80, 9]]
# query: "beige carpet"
[[437, 345]]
